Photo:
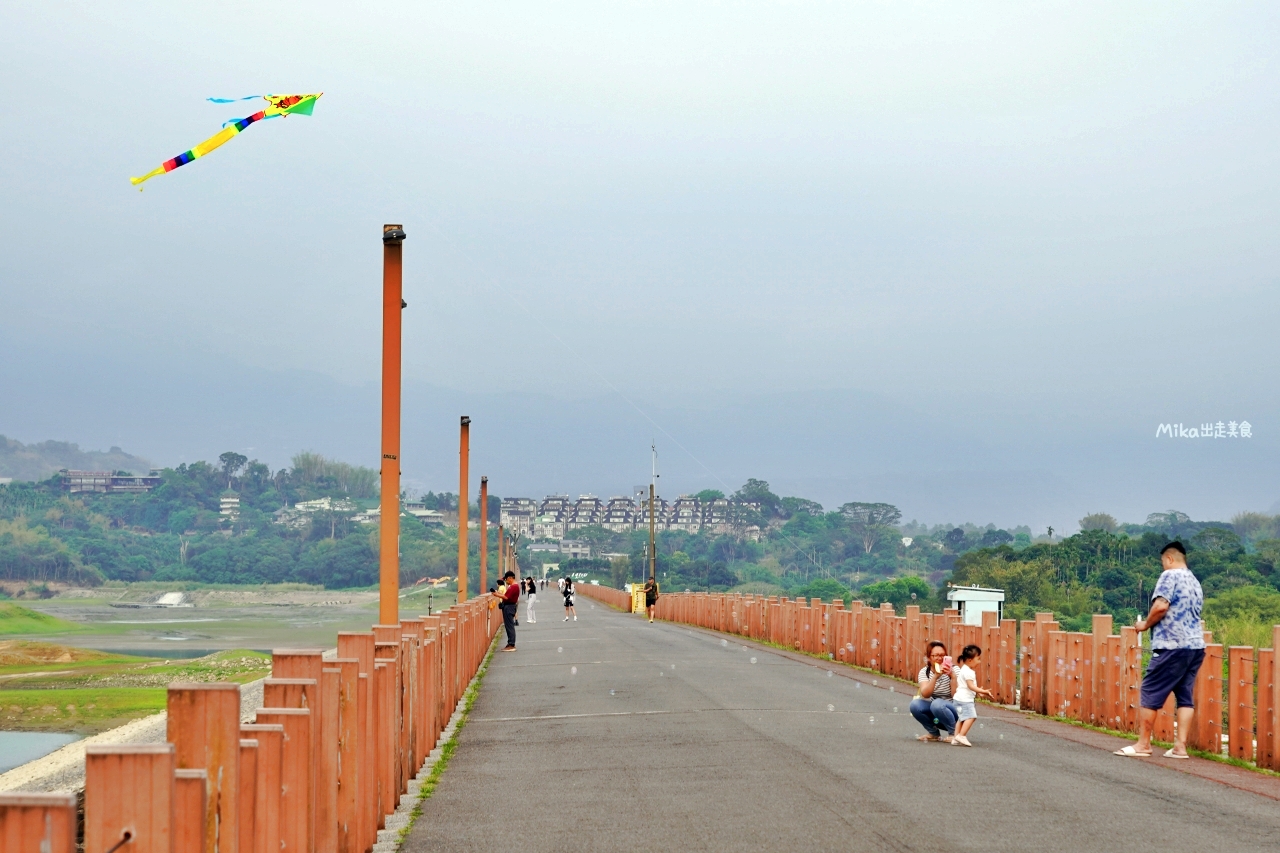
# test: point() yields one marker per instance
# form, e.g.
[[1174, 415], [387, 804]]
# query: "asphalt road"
[[613, 734]]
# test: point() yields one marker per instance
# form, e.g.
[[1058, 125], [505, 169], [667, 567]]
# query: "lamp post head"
[[392, 235], [466, 421]]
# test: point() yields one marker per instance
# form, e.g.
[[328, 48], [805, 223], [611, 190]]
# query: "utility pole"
[[389, 520], [484, 534], [464, 497], [653, 544]]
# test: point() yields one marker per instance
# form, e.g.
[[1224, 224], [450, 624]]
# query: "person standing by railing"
[[1177, 651], [932, 706], [510, 601]]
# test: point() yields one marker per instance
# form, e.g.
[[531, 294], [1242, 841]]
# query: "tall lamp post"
[[484, 534], [389, 533], [464, 497]]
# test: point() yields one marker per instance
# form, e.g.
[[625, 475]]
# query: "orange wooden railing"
[[619, 599], [1093, 678], [319, 770]]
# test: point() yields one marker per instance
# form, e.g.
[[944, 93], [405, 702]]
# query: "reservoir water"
[[17, 748]]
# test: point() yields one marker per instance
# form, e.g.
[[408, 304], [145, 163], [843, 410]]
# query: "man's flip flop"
[[1169, 753], [1130, 752]]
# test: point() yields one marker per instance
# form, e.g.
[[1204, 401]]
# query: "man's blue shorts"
[[1171, 671]]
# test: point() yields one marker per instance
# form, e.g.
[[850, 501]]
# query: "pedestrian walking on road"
[[509, 597], [650, 596], [567, 589], [966, 693], [531, 591], [932, 706], [1177, 651]]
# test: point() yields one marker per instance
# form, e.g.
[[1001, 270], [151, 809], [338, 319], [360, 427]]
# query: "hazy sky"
[[1047, 227]]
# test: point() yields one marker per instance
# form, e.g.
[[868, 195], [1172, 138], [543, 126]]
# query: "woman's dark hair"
[[969, 653]]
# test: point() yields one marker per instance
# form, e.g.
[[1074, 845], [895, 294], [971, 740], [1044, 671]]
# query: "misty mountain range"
[[939, 462]]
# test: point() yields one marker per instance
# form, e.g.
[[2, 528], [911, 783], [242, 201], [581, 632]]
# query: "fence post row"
[[320, 768], [1093, 678]]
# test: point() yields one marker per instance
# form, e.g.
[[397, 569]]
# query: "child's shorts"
[[966, 711]]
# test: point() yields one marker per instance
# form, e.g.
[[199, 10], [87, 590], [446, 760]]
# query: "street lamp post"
[[389, 520]]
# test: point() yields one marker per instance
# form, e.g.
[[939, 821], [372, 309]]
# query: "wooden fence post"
[[128, 789], [268, 788], [1097, 703], [204, 727], [1266, 708], [190, 805], [1130, 677], [1206, 732], [38, 822], [1240, 702], [248, 793], [297, 822]]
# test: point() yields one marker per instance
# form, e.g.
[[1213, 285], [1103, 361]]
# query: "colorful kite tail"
[[202, 149]]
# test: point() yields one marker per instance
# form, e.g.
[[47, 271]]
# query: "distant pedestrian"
[[966, 693], [509, 597], [932, 706], [1177, 651], [650, 596], [531, 590], [567, 589]]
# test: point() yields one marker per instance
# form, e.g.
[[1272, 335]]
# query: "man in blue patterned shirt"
[[1177, 650]]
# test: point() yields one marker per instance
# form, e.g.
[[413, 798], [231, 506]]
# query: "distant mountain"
[[40, 461]]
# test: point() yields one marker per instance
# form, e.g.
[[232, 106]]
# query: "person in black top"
[[568, 600], [650, 596]]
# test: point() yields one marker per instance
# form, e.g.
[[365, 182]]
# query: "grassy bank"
[[16, 620], [80, 710], [46, 687]]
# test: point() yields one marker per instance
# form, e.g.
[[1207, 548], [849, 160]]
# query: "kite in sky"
[[281, 105]]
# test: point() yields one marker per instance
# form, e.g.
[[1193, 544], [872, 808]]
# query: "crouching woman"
[[932, 706]]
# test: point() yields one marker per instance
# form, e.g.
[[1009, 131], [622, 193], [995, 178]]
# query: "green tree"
[[871, 521], [1099, 521], [758, 491], [232, 462], [708, 495]]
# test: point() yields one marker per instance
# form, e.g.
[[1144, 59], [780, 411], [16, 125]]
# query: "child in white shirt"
[[966, 693]]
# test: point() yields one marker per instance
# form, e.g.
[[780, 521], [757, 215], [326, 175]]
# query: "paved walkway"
[[612, 734]]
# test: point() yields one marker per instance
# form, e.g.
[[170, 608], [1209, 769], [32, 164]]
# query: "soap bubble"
[[872, 720], [673, 666], [724, 642], [573, 670], [829, 674], [875, 682], [857, 685], [559, 649], [831, 707], [893, 689], [744, 648], [895, 709], [1001, 737], [982, 725], [753, 660], [611, 693]]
